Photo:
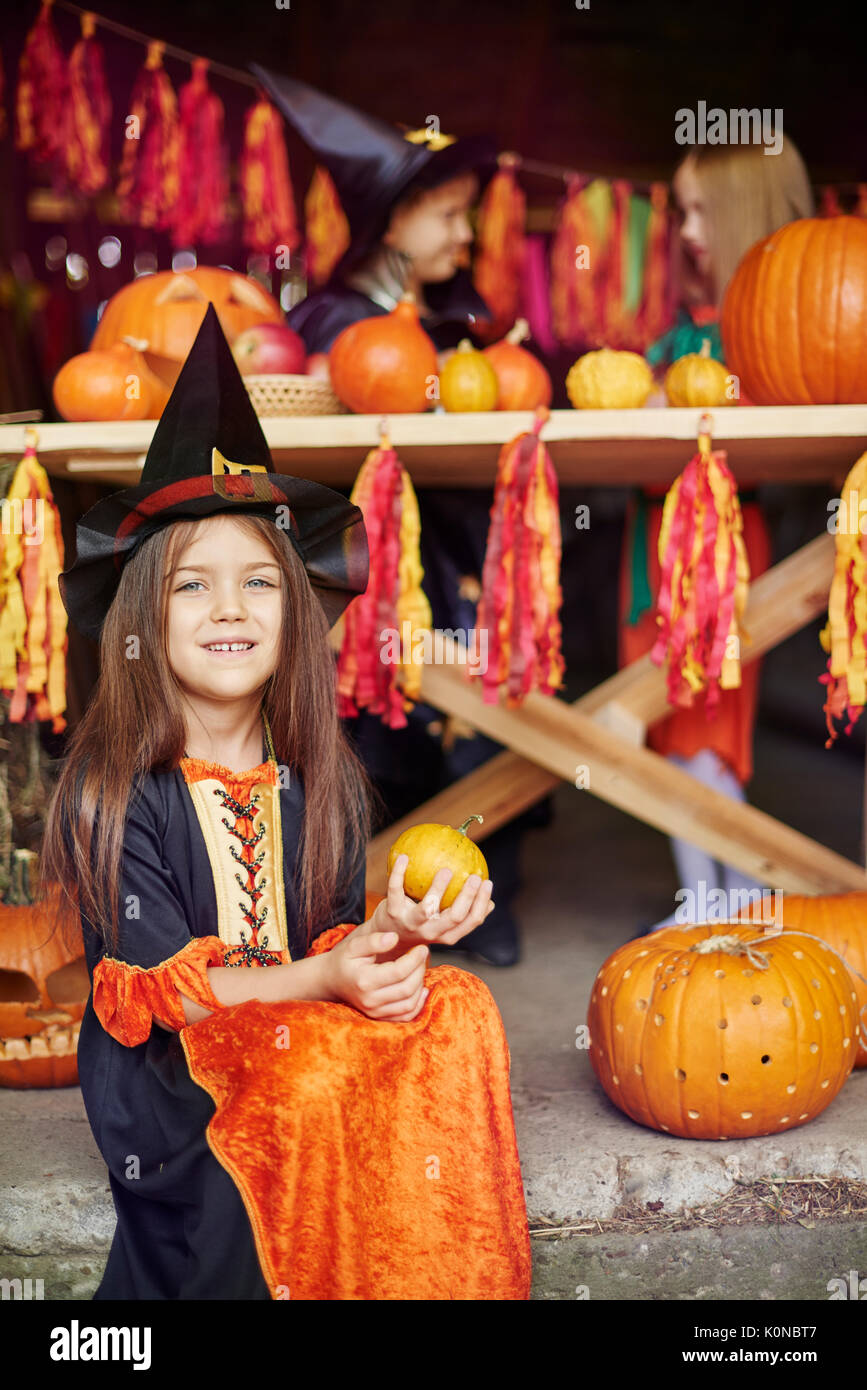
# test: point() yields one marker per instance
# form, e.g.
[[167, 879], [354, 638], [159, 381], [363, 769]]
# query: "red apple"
[[317, 366], [270, 348]]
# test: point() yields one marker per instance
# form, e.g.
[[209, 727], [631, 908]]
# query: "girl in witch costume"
[[729, 197], [407, 205], [289, 1103]]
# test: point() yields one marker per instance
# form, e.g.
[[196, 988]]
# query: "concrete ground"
[[590, 879]]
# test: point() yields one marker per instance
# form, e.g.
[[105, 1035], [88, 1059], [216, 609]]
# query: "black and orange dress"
[[289, 1150]]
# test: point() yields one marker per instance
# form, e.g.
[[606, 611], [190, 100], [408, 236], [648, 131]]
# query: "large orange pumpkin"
[[44, 988], [794, 313], [841, 920], [524, 384], [722, 1031], [167, 309], [385, 364], [111, 384]]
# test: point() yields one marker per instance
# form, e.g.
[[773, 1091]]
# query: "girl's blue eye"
[[256, 579]]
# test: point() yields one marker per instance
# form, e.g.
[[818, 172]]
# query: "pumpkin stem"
[[463, 828], [704, 350], [518, 332], [465, 345], [140, 344], [24, 868]]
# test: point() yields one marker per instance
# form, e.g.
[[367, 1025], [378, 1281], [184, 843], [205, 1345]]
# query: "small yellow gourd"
[[431, 847], [468, 381], [609, 380], [698, 379]]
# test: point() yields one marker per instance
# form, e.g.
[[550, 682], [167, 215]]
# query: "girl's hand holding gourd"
[[423, 921]]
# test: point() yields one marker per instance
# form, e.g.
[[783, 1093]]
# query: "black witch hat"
[[208, 454], [371, 163]]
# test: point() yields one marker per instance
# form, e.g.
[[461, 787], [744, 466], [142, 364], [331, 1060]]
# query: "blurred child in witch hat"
[[219, 907], [407, 200]]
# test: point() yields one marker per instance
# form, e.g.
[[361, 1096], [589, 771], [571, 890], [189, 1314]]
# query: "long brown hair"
[[134, 724], [747, 195]]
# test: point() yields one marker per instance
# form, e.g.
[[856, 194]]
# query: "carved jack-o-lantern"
[[169, 307], [44, 987]]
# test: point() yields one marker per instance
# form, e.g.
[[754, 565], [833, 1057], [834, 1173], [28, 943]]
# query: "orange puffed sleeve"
[[330, 938], [127, 998]]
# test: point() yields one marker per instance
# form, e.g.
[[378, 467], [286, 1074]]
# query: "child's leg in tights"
[[696, 865]]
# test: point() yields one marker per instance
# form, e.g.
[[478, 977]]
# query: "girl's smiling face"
[[227, 591]]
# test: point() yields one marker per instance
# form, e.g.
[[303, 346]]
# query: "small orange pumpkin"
[[697, 379], [114, 384], [524, 384], [468, 381], [720, 1032], [431, 847], [385, 364], [44, 987]]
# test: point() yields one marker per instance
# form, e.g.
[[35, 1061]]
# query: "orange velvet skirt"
[[730, 732], [376, 1160]]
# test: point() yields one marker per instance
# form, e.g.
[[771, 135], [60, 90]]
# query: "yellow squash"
[[609, 380], [431, 847], [697, 379]]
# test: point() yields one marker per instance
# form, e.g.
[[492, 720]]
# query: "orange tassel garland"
[[203, 170], [704, 581], [42, 99], [266, 186], [147, 192], [393, 611], [33, 637], [574, 257], [519, 607], [654, 316], [90, 113], [328, 233], [844, 635], [500, 257]]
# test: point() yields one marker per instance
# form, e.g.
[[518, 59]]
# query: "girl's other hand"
[[423, 921], [388, 989]]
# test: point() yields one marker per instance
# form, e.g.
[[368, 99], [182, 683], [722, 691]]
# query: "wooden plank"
[[781, 601], [603, 447], [642, 783]]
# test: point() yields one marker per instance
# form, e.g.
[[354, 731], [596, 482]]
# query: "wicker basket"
[[292, 395]]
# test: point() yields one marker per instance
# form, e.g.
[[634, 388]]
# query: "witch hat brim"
[[371, 163], [208, 455]]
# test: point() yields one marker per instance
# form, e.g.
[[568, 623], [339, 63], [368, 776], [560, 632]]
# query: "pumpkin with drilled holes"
[[722, 1031], [841, 920], [114, 383], [609, 380], [523, 382], [386, 364], [794, 311], [167, 309], [44, 988], [431, 847], [697, 379], [468, 381]]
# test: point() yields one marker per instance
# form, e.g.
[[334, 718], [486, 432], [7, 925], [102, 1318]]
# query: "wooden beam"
[[560, 738], [781, 601]]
